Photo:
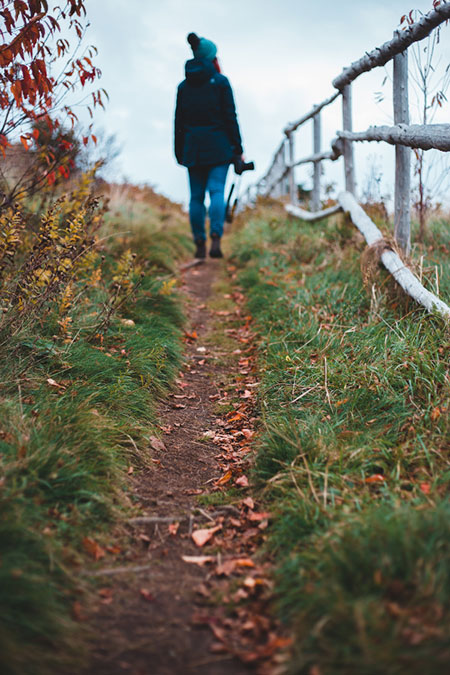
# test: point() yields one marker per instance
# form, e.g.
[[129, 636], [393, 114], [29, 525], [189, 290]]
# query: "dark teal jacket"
[[206, 126]]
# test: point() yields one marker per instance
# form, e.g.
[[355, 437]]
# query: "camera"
[[240, 166]]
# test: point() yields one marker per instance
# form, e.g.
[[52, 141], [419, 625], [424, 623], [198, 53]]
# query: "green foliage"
[[352, 456]]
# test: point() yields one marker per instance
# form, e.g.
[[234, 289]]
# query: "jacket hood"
[[199, 71]]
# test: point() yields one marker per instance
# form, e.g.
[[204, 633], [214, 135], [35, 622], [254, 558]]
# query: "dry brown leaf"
[[248, 501], [173, 528], [94, 549], [146, 595], [242, 481], [156, 443], [53, 383], [254, 516], [435, 414], [225, 478], [201, 537]]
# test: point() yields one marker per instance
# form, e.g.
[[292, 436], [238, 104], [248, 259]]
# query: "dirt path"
[[145, 619]]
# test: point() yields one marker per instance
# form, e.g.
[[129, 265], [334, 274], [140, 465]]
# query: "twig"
[[302, 395], [325, 489], [118, 570], [194, 263], [154, 520], [311, 485], [326, 382]]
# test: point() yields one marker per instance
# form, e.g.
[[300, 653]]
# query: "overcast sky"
[[280, 57]]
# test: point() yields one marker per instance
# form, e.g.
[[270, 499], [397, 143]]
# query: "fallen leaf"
[[235, 522], [341, 402], [225, 478], [203, 590], [425, 488], [248, 433], [114, 550], [53, 383], [156, 443], [146, 595], [376, 478], [201, 537], [77, 611], [130, 470], [242, 481], [106, 595], [94, 549], [247, 394], [435, 413], [198, 559], [173, 528], [258, 516], [248, 501], [202, 350]]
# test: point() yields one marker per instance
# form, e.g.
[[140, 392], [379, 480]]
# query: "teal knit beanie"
[[202, 48]]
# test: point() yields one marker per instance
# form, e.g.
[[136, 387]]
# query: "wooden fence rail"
[[279, 180]]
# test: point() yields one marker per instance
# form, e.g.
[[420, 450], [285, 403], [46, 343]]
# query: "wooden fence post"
[[315, 202], [349, 163], [402, 200], [292, 186]]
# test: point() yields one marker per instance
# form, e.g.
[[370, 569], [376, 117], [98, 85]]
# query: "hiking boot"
[[215, 251], [200, 251]]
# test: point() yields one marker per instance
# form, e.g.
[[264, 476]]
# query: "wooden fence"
[[279, 180]]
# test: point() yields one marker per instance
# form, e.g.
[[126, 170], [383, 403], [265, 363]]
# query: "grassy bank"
[[90, 338], [353, 457]]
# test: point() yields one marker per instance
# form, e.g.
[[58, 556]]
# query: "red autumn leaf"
[[425, 488], [376, 478], [24, 142]]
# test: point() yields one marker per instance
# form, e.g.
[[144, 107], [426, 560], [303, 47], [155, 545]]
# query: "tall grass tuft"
[[353, 454]]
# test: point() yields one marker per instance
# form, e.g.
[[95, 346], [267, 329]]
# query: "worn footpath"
[[192, 592]]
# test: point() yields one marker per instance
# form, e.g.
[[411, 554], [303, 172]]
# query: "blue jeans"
[[211, 179]]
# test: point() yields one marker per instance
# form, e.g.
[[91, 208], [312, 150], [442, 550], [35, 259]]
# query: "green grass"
[[65, 448], [353, 456]]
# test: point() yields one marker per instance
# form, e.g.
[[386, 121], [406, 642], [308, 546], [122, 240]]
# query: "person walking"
[[207, 140]]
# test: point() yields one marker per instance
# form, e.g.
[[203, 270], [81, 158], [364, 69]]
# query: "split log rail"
[[279, 181]]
